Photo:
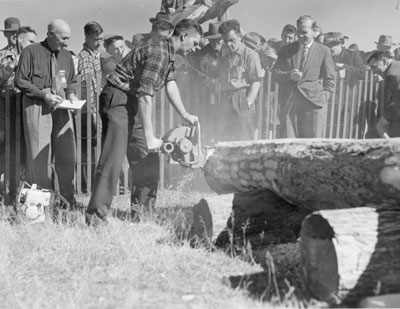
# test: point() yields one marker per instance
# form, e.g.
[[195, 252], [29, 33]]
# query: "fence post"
[[18, 139], [7, 146], [268, 108], [162, 132], [88, 133], [260, 108]]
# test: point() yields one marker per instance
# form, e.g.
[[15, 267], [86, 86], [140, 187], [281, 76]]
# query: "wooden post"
[[339, 114], [89, 133], [18, 139], [7, 145]]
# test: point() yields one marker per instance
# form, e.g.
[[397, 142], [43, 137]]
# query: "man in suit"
[[306, 74]]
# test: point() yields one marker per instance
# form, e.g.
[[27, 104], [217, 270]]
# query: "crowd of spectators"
[[227, 61]]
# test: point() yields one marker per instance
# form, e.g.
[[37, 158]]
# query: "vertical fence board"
[[260, 105], [332, 111], [18, 139], [7, 144], [352, 113], [268, 108], [346, 112], [339, 114]]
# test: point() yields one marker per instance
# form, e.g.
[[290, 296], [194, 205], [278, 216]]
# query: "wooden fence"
[[352, 113]]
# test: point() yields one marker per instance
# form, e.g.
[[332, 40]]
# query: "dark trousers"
[[114, 115], [49, 134], [145, 168], [15, 121], [118, 113], [237, 119], [302, 119]]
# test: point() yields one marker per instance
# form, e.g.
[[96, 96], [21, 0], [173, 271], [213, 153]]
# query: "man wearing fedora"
[[383, 64], [348, 63], [9, 59], [384, 43]]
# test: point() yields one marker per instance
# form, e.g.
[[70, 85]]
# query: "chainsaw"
[[36, 204], [183, 145]]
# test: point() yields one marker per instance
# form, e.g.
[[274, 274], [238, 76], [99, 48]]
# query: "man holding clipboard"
[[46, 77]]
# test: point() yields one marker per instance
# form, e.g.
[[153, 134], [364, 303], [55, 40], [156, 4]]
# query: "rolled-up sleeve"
[[253, 67]]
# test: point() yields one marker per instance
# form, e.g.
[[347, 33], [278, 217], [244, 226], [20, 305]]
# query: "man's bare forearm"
[[253, 92], [145, 108], [175, 98]]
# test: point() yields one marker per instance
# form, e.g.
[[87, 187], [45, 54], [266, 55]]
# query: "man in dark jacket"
[[348, 63]]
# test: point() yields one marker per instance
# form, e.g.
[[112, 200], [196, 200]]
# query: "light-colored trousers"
[[49, 134]]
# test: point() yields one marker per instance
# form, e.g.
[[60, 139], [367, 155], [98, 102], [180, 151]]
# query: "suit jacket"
[[319, 75]]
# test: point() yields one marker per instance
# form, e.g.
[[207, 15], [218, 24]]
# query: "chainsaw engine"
[[183, 145], [37, 204]]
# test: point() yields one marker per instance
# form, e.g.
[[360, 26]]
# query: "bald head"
[[58, 25], [58, 33]]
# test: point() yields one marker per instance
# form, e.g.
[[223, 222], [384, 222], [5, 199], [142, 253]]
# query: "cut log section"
[[311, 173], [350, 254]]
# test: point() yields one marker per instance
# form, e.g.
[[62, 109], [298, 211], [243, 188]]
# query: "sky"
[[362, 20]]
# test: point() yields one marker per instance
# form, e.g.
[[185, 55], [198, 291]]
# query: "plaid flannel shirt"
[[4, 61], [146, 68], [89, 63]]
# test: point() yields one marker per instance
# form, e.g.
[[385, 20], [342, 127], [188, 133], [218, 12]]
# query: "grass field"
[[137, 265]]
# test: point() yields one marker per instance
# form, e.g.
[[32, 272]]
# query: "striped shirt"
[[146, 68], [89, 63]]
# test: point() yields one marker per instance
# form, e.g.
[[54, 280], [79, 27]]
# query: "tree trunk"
[[256, 218], [313, 174], [349, 254]]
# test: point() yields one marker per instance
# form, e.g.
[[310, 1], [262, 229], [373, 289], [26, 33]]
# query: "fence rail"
[[352, 113]]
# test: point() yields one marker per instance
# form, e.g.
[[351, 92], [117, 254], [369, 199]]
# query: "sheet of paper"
[[67, 104]]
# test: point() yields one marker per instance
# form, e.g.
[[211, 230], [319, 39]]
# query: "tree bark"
[[350, 254], [313, 174]]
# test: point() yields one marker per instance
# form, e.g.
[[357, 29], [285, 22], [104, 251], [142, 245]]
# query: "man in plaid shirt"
[[89, 63], [129, 91]]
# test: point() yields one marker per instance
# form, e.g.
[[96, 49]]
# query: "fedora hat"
[[252, 40], [385, 40], [333, 38], [11, 24], [212, 32], [109, 38], [161, 16]]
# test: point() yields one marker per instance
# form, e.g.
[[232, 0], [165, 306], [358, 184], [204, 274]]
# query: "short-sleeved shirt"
[[89, 63], [392, 115], [239, 69], [7, 55], [146, 68]]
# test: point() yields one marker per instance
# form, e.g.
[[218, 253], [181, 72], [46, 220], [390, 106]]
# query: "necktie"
[[54, 71], [303, 58]]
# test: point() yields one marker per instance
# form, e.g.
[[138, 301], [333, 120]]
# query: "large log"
[[349, 254], [311, 173]]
